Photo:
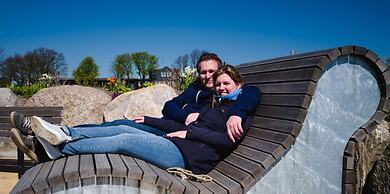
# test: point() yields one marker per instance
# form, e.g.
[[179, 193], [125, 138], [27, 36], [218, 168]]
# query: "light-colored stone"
[[81, 104], [8, 98], [147, 101], [369, 151]]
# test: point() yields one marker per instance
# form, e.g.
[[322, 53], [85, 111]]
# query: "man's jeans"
[[123, 139]]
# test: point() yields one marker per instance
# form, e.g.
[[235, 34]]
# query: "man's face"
[[207, 69]]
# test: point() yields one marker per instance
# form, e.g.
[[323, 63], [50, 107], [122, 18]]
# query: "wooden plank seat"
[[287, 84], [19, 165]]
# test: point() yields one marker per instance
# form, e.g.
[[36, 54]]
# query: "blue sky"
[[238, 31]]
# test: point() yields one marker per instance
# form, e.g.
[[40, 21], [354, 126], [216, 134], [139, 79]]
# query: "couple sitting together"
[[200, 127]]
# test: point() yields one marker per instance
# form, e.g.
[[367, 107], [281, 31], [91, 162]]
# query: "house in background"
[[166, 75]]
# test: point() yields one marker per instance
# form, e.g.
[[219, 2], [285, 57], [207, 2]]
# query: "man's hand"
[[139, 119], [179, 134], [234, 128], [191, 118]]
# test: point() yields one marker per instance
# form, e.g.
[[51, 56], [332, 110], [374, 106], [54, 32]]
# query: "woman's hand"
[[139, 119], [191, 118], [179, 134]]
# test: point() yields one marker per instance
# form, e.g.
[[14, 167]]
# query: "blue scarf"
[[231, 96]]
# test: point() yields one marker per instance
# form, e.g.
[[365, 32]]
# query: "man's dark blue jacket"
[[196, 95], [206, 142]]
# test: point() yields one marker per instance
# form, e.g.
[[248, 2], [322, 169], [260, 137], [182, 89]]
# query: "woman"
[[198, 146]]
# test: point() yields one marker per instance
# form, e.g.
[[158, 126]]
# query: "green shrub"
[[147, 84], [187, 78], [113, 86], [27, 91]]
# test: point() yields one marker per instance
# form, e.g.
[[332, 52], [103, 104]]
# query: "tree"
[[27, 69], [1, 55], [118, 70], [87, 72], [123, 65], [194, 56], [144, 63], [13, 69], [44, 61], [182, 62]]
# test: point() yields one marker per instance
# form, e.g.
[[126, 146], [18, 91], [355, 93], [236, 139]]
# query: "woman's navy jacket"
[[206, 142], [196, 96]]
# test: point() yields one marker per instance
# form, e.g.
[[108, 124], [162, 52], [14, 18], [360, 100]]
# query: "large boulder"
[[378, 179], [147, 101], [81, 104], [371, 150], [8, 98]]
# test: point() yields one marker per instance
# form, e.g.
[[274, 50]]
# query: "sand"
[[7, 181]]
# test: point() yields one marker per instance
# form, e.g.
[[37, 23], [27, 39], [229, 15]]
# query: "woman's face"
[[224, 85]]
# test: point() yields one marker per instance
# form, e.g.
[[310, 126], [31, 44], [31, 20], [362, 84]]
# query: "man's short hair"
[[206, 57]]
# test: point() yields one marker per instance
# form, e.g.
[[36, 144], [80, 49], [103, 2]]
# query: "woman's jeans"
[[121, 137]]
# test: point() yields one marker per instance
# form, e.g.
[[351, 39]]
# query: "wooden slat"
[[40, 183], [284, 76], [134, 171], [201, 187], [215, 188], [293, 100], [118, 167], [274, 149], [302, 87], [20, 183], [289, 127], [360, 51], [284, 139], [287, 65], [382, 66], [148, 174], [103, 169], [259, 157], [236, 174], [27, 186], [372, 56], [345, 50], [87, 170], [56, 178], [162, 180], [31, 111], [225, 182], [189, 188], [289, 113], [256, 170], [5, 126], [71, 172], [5, 133], [286, 58], [176, 186]]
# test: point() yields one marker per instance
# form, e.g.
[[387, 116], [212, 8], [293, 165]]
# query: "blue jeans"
[[122, 139], [127, 122]]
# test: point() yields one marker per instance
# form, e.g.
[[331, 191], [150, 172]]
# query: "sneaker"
[[51, 133], [19, 121], [24, 143], [50, 150]]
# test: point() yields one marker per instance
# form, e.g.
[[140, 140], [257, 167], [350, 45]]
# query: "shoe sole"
[[12, 119], [51, 136], [15, 137]]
